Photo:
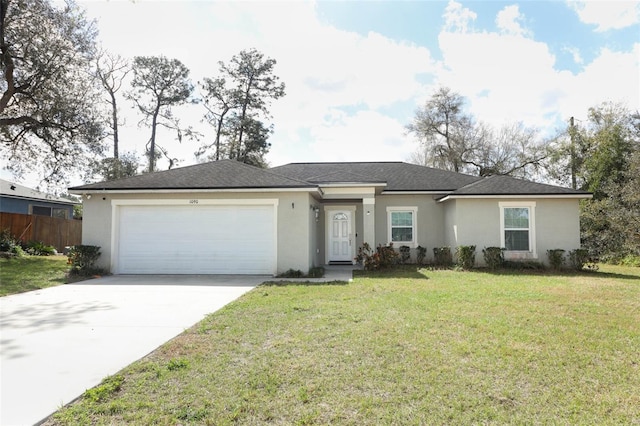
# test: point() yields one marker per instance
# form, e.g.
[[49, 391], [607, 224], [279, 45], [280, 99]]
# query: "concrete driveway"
[[57, 342]]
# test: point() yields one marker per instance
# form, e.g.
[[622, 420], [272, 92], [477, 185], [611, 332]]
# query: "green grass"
[[409, 347], [31, 273]]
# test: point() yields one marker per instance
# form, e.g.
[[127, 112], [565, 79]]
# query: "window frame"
[[531, 207], [414, 225]]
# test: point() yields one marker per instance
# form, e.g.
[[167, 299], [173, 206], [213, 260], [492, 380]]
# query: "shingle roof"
[[398, 176], [507, 185], [395, 176], [223, 174]]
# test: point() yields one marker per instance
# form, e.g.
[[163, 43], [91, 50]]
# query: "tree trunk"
[[152, 142]]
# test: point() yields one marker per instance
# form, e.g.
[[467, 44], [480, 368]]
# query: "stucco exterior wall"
[[430, 220], [450, 229], [293, 223], [477, 222], [315, 232]]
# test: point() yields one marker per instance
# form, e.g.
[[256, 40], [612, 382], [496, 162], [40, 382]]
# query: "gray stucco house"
[[15, 198], [229, 217]]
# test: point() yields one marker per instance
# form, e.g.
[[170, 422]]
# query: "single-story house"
[[228, 217], [15, 198]]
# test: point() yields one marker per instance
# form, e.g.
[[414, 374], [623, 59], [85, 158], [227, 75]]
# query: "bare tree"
[[111, 71], [450, 139], [445, 132]]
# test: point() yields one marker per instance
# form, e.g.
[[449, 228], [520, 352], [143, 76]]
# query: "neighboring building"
[[16, 198], [227, 217]]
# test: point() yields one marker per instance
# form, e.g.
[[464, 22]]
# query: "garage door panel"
[[196, 239]]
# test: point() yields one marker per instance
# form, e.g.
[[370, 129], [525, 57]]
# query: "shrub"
[[316, 272], [364, 255], [442, 256], [38, 248], [10, 244], [291, 273], [82, 259], [466, 256], [383, 258], [387, 256], [524, 265], [493, 257], [630, 260], [405, 254], [579, 259], [556, 258], [421, 253]]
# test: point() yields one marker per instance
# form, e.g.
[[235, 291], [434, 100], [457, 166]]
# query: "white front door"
[[340, 236]]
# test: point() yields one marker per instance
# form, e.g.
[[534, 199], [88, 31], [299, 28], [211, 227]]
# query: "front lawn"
[[28, 273], [411, 347]]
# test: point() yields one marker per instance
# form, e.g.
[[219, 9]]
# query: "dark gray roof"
[[223, 174], [395, 176], [398, 176], [507, 185]]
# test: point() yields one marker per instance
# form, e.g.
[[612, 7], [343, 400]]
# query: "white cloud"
[[575, 54], [504, 77], [326, 70], [607, 15], [363, 136], [611, 76], [509, 21], [458, 18], [509, 77]]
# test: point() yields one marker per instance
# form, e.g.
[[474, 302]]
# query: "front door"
[[340, 237]]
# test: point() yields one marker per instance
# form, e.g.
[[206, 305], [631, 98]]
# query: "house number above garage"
[[193, 201]]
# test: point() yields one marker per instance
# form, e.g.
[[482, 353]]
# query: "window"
[[402, 225], [517, 226], [61, 213], [49, 211], [41, 211]]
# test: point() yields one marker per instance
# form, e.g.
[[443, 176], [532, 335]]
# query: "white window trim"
[[531, 205], [395, 209]]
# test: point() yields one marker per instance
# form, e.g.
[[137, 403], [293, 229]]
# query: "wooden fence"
[[52, 231]]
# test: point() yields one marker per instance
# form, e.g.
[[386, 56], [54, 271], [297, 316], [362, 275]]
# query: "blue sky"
[[357, 71]]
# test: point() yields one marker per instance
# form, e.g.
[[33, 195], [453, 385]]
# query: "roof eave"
[[81, 191], [352, 184], [414, 192], [521, 196], [42, 200]]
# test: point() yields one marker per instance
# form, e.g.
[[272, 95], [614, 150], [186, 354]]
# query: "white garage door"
[[202, 239]]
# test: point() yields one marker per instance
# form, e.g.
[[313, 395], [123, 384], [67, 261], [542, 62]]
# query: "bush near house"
[[493, 257], [9, 245], [442, 256], [82, 259], [556, 258], [38, 248], [383, 258], [405, 254], [466, 256], [421, 253]]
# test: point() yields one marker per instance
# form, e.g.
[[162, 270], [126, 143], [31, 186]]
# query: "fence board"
[[52, 231]]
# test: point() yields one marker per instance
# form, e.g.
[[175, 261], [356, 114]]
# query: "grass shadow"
[[552, 272], [292, 282], [400, 271]]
